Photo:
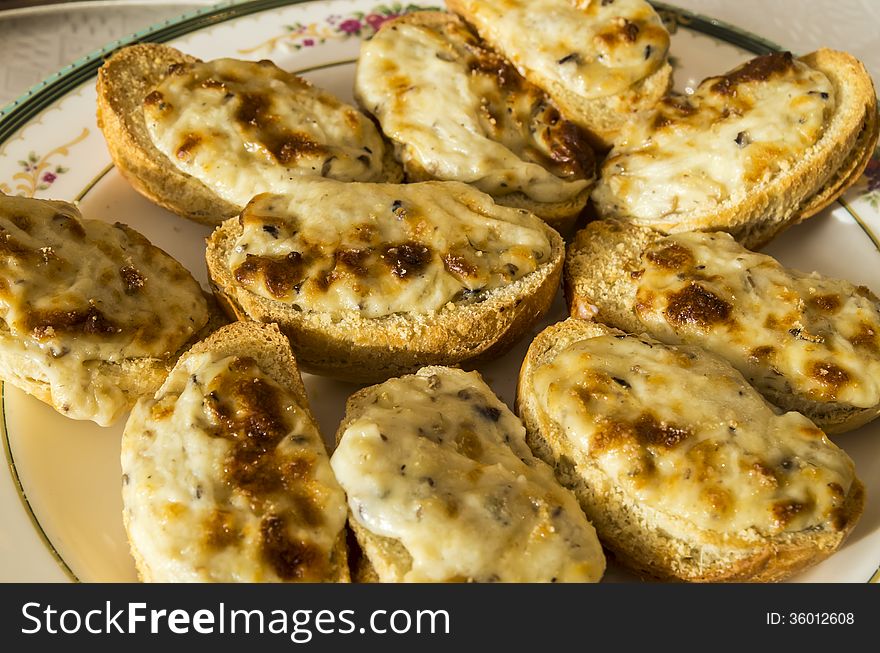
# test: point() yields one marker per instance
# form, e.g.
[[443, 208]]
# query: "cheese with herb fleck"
[[379, 249], [437, 463], [682, 433], [244, 128], [76, 294], [226, 479]]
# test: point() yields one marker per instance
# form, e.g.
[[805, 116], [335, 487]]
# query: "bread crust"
[[123, 82], [560, 215], [625, 526], [270, 349], [354, 348], [757, 214], [602, 117], [598, 286]]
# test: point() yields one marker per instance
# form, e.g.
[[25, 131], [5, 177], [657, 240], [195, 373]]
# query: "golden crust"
[[123, 82], [627, 529], [365, 350]]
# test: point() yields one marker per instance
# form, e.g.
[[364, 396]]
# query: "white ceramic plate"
[[60, 494]]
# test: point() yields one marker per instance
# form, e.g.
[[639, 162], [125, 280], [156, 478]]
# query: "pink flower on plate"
[[872, 172], [376, 20], [308, 42], [350, 26], [49, 177]]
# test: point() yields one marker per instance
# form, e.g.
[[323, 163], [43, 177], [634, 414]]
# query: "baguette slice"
[[806, 342], [752, 152], [563, 47], [92, 315], [249, 138], [467, 115], [682, 483], [225, 475], [371, 281], [441, 487]]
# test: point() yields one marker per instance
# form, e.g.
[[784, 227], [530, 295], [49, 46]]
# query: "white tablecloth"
[[37, 42]]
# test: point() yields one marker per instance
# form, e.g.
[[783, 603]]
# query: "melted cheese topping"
[[462, 113], [784, 330], [682, 433], [225, 478], [591, 48], [379, 249], [734, 132], [439, 464], [74, 293], [244, 128]]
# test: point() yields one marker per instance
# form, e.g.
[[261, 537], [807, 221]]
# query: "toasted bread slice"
[[680, 483], [93, 314], [255, 126], [437, 457], [806, 342], [371, 281], [467, 115], [750, 152], [565, 48], [225, 475]]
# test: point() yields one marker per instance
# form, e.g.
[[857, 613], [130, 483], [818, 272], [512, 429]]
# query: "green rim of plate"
[[19, 112]]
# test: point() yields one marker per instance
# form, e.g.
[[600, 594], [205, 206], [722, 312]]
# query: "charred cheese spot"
[[696, 306], [569, 149], [280, 276], [256, 113], [785, 511], [759, 69], [407, 259], [134, 281], [21, 221], [645, 430], [866, 337], [189, 143], [594, 49], [155, 99], [290, 558], [461, 112], [673, 256], [831, 377], [653, 432], [468, 443], [437, 458], [220, 530], [45, 325], [619, 31], [459, 265], [827, 303], [765, 475], [355, 260], [762, 354]]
